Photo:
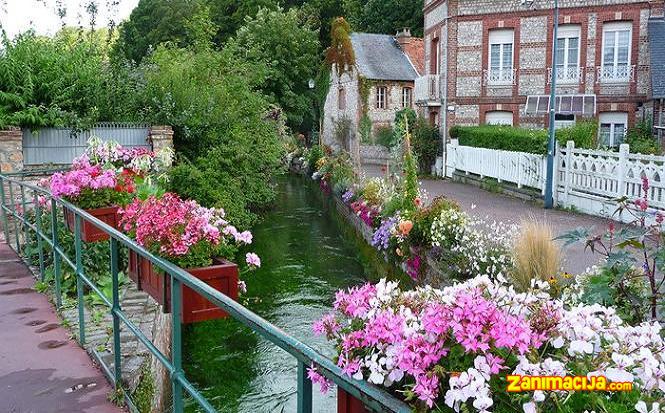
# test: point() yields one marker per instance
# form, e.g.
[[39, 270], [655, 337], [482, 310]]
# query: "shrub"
[[535, 255], [426, 144], [385, 136], [424, 218], [365, 130], [641, 140], [505, 138], [584, 133], [315, 153]]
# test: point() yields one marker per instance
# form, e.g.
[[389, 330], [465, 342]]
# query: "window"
[[501, 57], [563, 121], [407, 97], [612, 128], [341, 99], [434, 57], [381, 94], [568, 54], [499, 117], [616, 52], [434, 118]]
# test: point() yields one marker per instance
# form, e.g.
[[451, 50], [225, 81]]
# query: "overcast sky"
[[19, 15]]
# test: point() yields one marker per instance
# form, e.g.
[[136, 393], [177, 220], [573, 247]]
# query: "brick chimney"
[[403, 37]]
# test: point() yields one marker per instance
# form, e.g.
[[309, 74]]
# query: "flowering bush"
[[111, 154], [184, 232], [90, 187], [450, 349], [472, 246]]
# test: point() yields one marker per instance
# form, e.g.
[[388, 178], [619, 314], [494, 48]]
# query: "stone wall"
[[11, 150]]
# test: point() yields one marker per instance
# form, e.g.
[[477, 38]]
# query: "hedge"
[[505, 138]]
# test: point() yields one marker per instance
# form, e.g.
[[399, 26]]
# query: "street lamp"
[[551, 144]]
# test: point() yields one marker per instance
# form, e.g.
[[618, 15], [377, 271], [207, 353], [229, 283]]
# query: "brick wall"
[[11, 150], [468, 54]]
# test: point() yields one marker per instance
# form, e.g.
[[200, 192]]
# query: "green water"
[[305, 260]]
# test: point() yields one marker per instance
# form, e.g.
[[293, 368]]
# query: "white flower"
[[580, 347], [529, 407], [618, 375], [641, 407]]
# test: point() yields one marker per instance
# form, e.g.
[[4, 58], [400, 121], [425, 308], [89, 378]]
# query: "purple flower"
[[381, 237], [253, 260], [347, 196]]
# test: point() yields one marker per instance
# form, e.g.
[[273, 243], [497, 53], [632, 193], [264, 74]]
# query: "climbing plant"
[[340, 52]]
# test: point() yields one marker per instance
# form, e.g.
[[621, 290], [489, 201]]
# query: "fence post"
[[519, 171], [117, 367], [499, 165], [5, 221], [56, 254], [570, 147], [555, 177], [78, 246], [624, 149], [176, 341], [304, 389], [40, 245]]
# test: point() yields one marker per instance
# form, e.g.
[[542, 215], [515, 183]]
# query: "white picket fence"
[[587, 180]]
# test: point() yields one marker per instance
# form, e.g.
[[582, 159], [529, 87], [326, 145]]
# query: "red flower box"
[[90, 232], [349, 404], [222, 276]]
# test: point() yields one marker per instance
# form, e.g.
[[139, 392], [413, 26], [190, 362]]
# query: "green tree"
[[154, 22], [386, 16], [230, 15], [289, 50], [228, 145]]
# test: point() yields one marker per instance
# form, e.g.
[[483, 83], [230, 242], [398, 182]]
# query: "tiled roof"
[[379, 57], [657, 46]]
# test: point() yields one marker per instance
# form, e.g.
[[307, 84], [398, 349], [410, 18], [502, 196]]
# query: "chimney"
[[403, 37]]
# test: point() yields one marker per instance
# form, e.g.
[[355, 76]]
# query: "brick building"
[[380, 84], [490, 61]]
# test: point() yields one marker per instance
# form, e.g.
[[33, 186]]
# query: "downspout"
[[444, 91]]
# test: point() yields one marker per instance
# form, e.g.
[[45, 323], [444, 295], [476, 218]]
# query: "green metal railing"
[[18, 197]]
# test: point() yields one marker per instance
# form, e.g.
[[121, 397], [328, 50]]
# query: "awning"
[[584, 105]]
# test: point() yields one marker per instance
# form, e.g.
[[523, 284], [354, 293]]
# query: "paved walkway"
[[41, 369], [508, 209]]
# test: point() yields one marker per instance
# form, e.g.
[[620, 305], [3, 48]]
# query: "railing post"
[[304, 389], [570, 148], [56, 254], [38, 233], [13, 203], [78, 246], [26, 229], [176, 342], [624, 149], [117, 367], [5, 224]]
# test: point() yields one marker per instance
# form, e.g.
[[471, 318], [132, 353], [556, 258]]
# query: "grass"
[[536, 255], [491, 185]]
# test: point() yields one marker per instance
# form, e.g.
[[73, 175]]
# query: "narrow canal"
[[305, 260]]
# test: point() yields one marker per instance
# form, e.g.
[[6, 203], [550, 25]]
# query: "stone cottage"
[[364, 100]]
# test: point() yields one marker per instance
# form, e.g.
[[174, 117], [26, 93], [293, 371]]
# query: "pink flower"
[[253, 260], [427, 388], [242, 286], [316, 378]]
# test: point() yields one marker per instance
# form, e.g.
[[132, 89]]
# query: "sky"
[[17, 16]]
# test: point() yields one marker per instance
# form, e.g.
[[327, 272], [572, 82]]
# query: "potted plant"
[[98, 191], [192, 237]]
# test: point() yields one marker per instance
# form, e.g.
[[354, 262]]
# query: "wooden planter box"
[[89, 232], [133, 268], [349, 404], [222, 276]]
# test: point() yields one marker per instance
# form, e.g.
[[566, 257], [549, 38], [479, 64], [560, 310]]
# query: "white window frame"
[[499, 117], [567, 73], [407, 97], [502, 75], [613, 120], [382, 97], [613, 72]]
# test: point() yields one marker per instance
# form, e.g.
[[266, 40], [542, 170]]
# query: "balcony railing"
[[566, 75], [499, 77], [615, 74], [428, 89]]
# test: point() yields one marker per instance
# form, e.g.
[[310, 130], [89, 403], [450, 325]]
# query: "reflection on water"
[[305, 260]]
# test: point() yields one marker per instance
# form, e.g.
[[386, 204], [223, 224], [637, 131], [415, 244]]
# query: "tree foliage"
[[229, 146], [288, 49], [385, 16]]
